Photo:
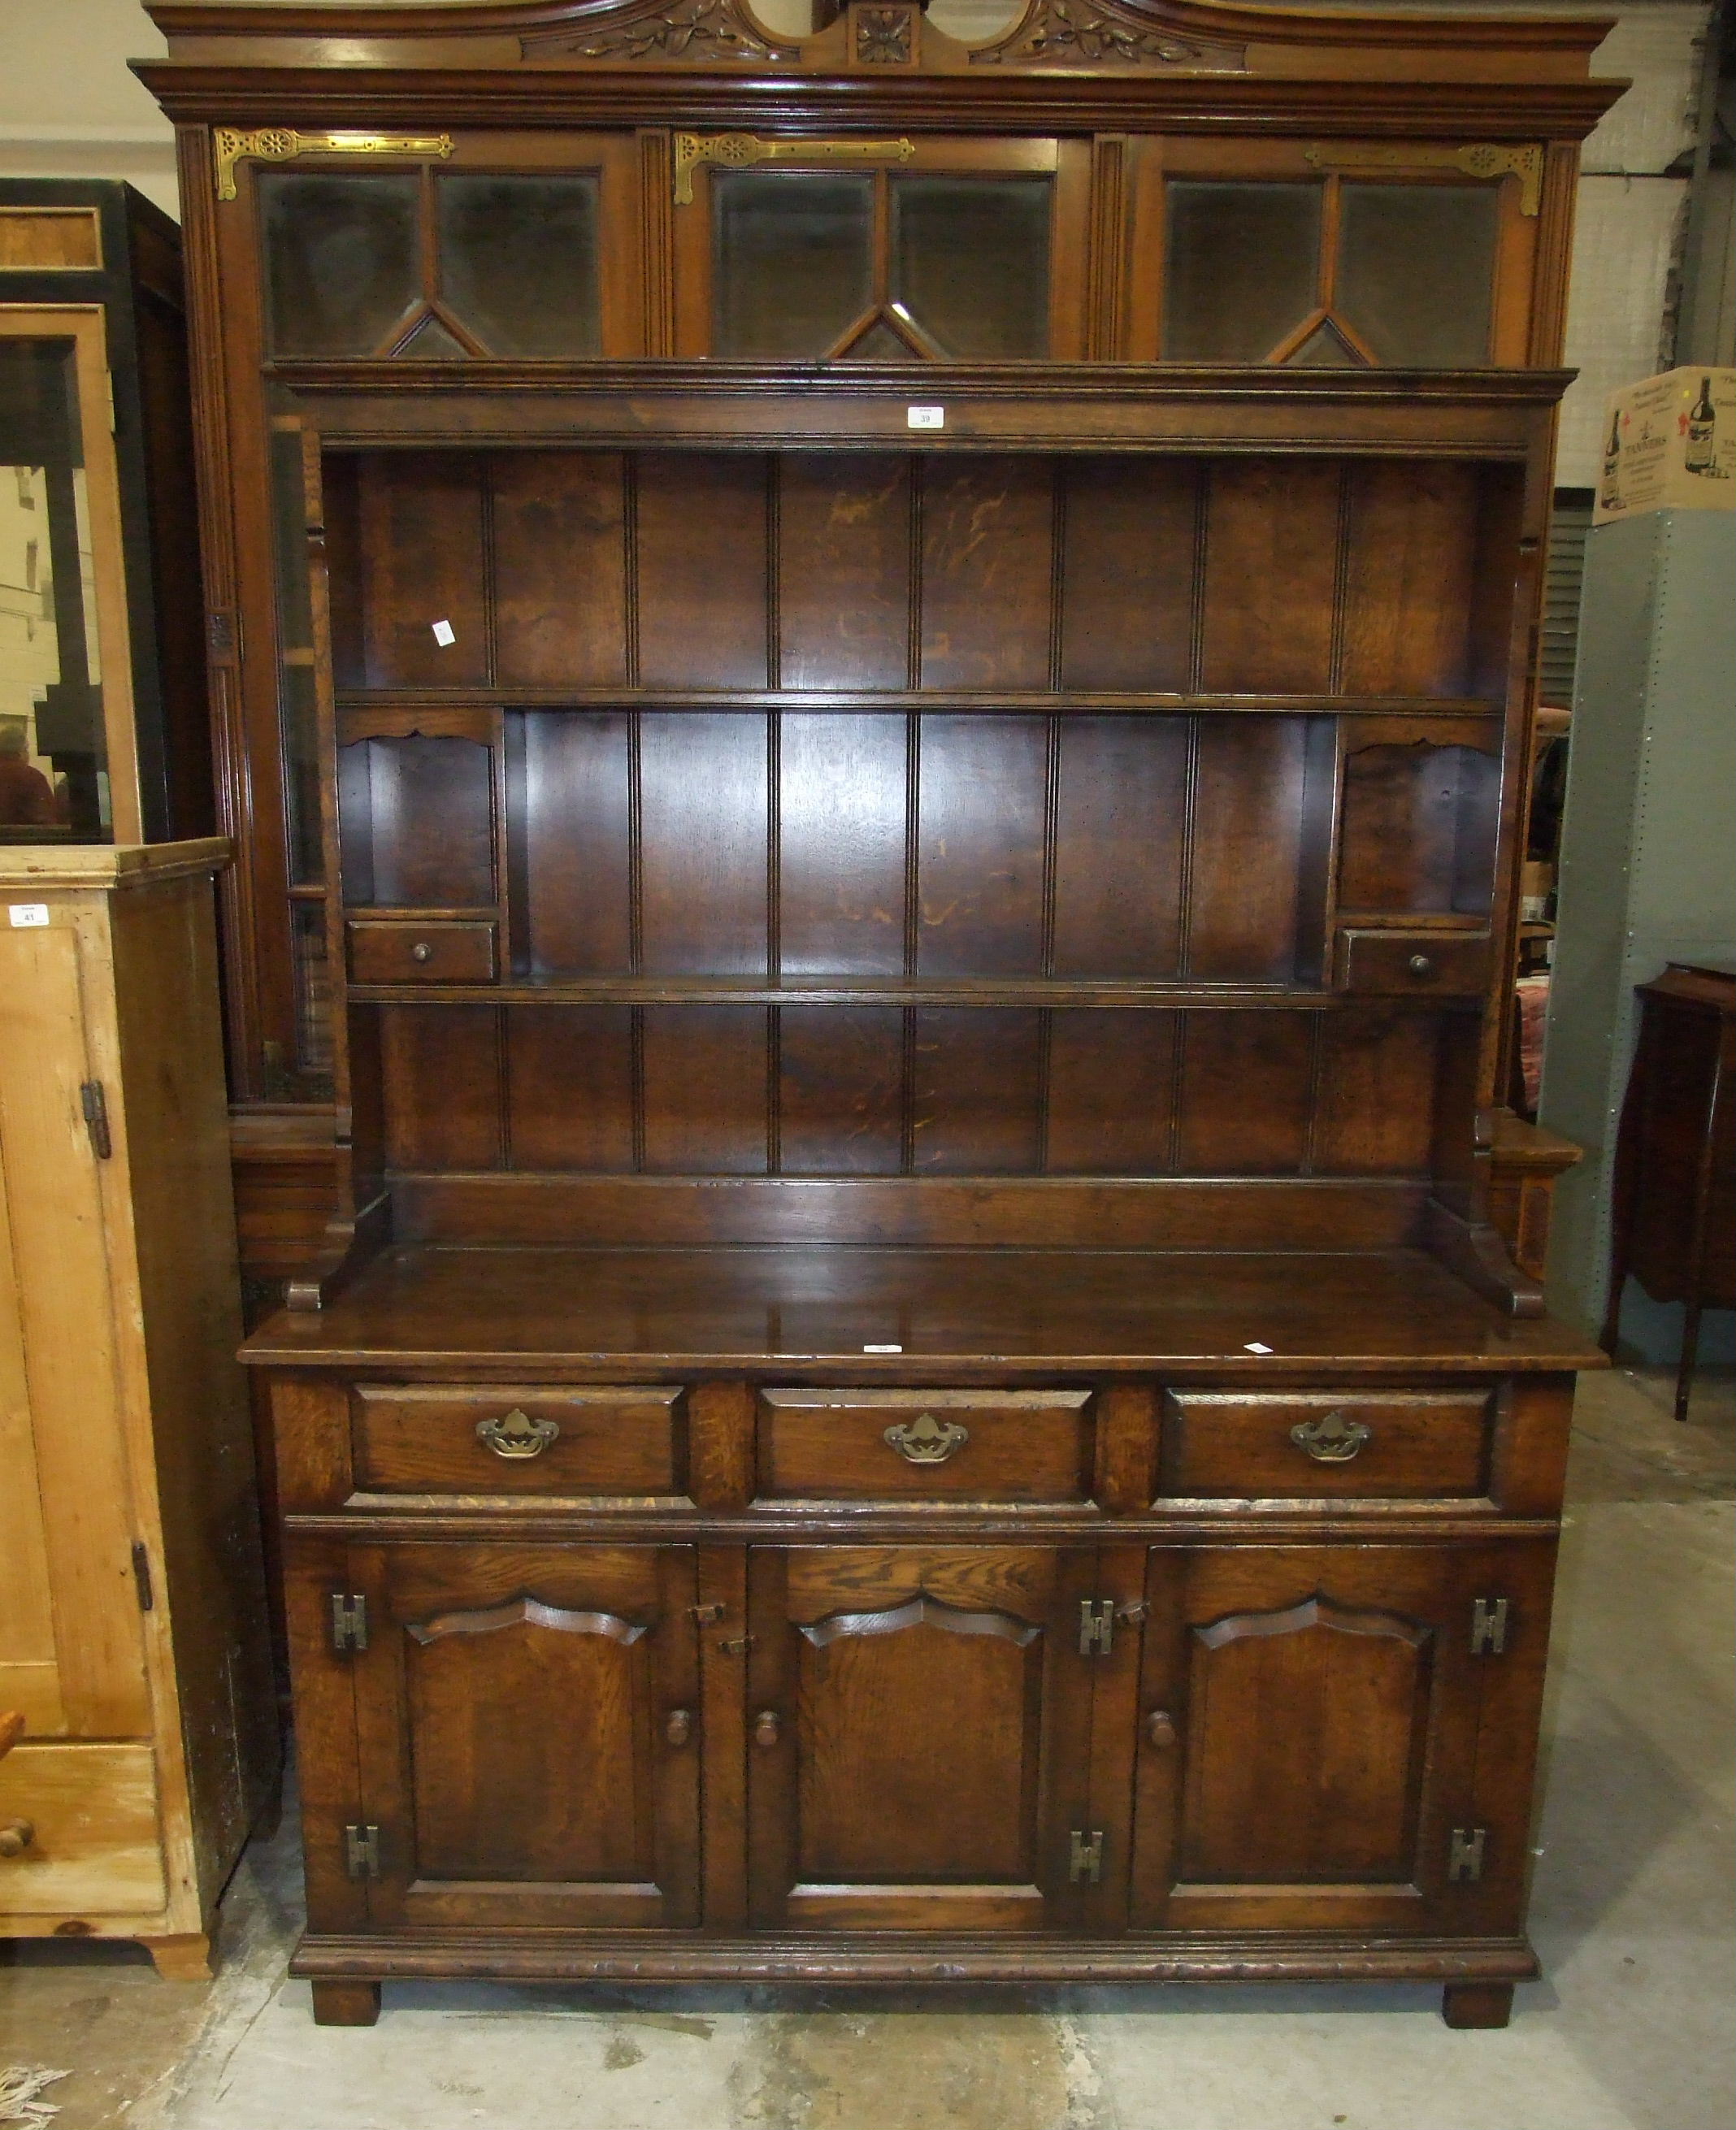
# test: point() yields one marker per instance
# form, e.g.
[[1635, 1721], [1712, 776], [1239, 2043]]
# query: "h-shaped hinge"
[[1096, 1626], [361, 1852], [1084, 1857], [1464, 1856], [1487, 1626], [349, 1621]]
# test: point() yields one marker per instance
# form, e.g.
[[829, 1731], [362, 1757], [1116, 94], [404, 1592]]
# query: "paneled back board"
[[886, 688]]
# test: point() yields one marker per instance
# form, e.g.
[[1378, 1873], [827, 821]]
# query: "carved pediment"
[[696, 31], [1097, 35]]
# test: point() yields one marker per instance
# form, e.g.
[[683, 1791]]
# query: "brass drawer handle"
[[678, 1728], [515, 1434], [1421, 966], [16, 1836], [766, 1728], [926, 1440], [421, 952], [1331, 1440]]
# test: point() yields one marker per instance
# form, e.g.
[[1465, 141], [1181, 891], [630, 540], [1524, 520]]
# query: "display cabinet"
[[104, 730], [889, 684]]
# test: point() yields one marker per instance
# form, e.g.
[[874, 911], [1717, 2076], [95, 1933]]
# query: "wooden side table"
[[1673, 1224]]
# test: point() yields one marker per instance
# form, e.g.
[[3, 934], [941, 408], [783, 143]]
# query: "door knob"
[[679, 1727], [16, 1836], [766, 1729], [1421, 965], [1160, 1729], [421, 952]]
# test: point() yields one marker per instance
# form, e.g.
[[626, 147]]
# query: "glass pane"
[[340, 261], [1416, 271], [296, 709], [970, 262], [792, 264], [54, 777], [518, 262], [1244, 261], [312, 988]]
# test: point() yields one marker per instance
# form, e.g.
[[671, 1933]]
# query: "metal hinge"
[[1487, 1626], [1084, 1857], [1464, 1856], [349, 1621], [361, 1852], [1096, 1626], [96, 1118], [142, 1576]]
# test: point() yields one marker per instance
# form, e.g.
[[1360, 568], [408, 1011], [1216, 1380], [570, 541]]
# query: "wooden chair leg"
[[185, 1959], [346, 2004], [1477, 2004]]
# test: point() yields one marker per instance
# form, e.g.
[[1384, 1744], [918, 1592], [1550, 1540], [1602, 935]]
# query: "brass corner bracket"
[[1478, 159], [230, 144], [739, 151]]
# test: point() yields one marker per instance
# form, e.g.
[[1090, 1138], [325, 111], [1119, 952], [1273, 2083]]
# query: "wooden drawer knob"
[[1161, 1730], [766, 1728], [16, 1836], [679, 1727]]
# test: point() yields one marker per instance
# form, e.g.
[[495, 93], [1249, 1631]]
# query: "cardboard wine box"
[[1670, 445]]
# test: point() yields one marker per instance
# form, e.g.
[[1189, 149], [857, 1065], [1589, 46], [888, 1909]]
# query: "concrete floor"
[[1629, 2030]]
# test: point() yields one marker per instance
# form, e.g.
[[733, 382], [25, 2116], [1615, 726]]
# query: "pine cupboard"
[[132, 1640], [895, 679]]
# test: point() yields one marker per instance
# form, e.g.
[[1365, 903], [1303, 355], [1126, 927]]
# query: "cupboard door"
[[1309, 1751], [529, 1735], [918, 1739]]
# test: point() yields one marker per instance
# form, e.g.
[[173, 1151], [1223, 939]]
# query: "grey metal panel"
[[1648, 846]]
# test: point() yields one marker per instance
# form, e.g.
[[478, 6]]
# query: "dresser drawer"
[[95, 1847], [513, 1440], [1342, 1446], [401, 951], [925, 1446], [1412, 964]]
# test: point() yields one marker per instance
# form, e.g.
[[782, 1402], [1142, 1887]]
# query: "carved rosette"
[[1091, 34], [692, 29], [883, 37]]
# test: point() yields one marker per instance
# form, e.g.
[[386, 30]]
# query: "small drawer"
[[95, 1846], [1391, 1445], [925, 1446], [397, 951], [1413, 964], [496, 1439]]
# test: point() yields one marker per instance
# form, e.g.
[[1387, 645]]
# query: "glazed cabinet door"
[[528, 1725], [919, 1721], [1338, 1737]]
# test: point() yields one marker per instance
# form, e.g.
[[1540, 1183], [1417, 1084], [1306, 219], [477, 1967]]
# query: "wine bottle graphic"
[[1610, 498], [1701, 455]]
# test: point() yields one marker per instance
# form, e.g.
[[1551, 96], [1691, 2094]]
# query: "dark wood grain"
[[1128, 587], [560, 567], [1272, 559], [701, 563], [986, 563], [844, 570]]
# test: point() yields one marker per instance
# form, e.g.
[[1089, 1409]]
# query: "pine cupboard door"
[[918, 1727], [72, 1650], [527, 1724], [1337, 1737]]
